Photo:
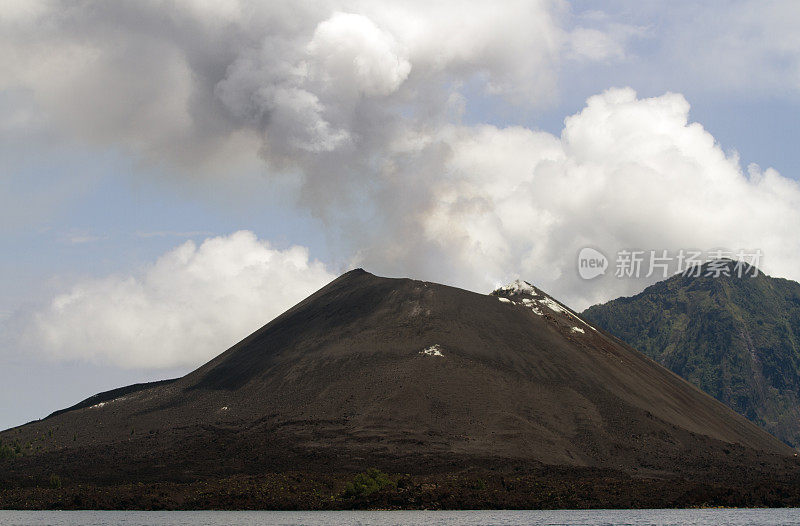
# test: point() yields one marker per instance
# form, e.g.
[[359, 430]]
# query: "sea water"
[[706, 517]]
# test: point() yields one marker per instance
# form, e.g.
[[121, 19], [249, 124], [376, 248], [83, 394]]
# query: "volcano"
[[424, 381]]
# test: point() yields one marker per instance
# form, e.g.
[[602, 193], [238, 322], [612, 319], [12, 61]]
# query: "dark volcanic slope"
[[405, 375], [737, 338]]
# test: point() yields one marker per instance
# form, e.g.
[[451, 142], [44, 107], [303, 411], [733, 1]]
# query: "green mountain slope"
[[737, 338]]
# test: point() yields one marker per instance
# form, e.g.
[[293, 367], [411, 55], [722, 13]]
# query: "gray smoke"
[[362, 103]]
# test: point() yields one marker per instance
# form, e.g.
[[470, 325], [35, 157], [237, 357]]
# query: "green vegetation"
[[737, 339], [479, 484], [367, 483], [6, 451], [55, 481], [12, 450]]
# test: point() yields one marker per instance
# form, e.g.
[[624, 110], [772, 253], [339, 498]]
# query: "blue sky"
[[436, 156]]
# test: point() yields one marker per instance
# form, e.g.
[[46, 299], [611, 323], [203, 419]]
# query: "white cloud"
[[472, 206], [746, 49], [749, 45], [625, 173], [188, 306], [350, 49], [364, 100], [595, 44]]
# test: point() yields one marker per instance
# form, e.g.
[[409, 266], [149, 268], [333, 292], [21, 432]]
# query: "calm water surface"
[[390, 518]]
